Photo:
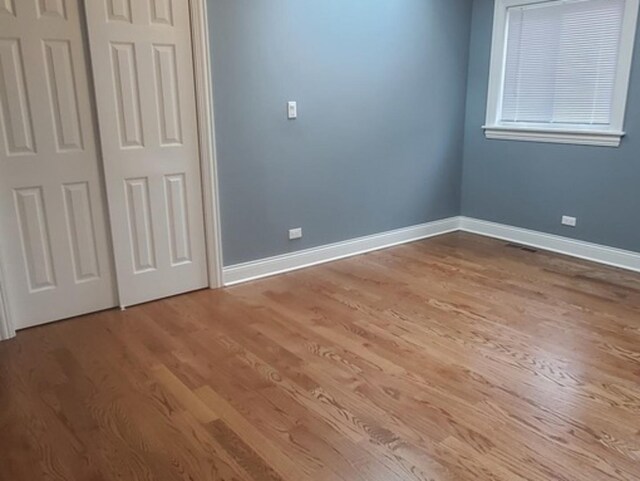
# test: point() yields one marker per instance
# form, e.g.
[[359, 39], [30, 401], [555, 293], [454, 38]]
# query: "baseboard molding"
[[320, 255], [562, 245]]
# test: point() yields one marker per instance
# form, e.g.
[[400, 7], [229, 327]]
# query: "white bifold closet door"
[[142, 64], [53, 232]]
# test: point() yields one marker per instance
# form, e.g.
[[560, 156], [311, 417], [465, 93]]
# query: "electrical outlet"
[[569, 221], [295, 234]]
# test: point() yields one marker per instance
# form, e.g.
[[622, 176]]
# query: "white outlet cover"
[[295, 234], [569, 221]]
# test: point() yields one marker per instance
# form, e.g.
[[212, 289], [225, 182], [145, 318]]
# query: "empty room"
[[319, 240]]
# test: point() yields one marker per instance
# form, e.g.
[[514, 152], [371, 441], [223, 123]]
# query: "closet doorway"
[[101, 201]]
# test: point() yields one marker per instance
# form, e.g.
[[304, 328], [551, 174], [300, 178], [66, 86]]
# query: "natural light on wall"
[[560, 70]]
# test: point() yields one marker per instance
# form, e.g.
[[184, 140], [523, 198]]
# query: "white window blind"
[[561, 62]]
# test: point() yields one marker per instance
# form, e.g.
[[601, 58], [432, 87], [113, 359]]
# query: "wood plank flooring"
[[457, 358]]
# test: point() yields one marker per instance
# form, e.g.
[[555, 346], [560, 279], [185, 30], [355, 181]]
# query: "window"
[[560, 70]]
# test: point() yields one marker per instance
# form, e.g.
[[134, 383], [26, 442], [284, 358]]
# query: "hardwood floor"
[[457, 358]]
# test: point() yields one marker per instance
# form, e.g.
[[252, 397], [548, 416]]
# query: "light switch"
[[292, 110]]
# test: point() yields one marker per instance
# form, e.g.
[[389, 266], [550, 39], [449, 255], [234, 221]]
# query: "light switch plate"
[[292, 110]]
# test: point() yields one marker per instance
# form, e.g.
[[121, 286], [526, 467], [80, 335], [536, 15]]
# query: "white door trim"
[[206, 136], [7, 331]]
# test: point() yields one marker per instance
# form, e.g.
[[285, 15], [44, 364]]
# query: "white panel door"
[[56, 249], [142, 63]]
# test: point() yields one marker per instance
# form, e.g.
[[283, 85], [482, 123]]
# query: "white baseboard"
[[298, 260], [584, 250]]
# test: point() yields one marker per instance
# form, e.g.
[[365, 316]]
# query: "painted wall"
[[380, 86], [532, 185]]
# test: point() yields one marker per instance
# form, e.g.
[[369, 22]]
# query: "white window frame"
[[570, 134]]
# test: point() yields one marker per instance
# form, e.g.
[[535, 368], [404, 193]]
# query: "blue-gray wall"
[[532, 185], [380, 86]]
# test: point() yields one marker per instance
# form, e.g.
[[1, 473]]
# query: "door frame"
[[208, 161], [207, 138], [7, 331]]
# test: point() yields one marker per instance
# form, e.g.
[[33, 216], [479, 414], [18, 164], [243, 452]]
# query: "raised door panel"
[[7, 7], [118, 10], [178, 219], [140, 225], [81, 231], [167, 94], [162, 12], [52, 8], [63, 95], [17, 125], [127, 94], [35, 239]]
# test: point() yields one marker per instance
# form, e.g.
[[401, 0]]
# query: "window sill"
[[603, 138]]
